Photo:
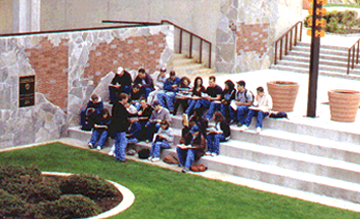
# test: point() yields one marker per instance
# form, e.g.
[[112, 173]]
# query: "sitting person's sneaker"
[[150, 158], [185, 170], [239, 124], [155, 159], [207, 153], [214, 154], [98, 148], [90, 146], [258, 130], [244, 127], [147, 141]]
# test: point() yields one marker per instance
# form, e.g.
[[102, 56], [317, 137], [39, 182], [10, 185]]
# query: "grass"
[[161, 193], [341, 5]]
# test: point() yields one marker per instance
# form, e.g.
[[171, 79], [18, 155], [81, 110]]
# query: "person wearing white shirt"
[[261, 108]]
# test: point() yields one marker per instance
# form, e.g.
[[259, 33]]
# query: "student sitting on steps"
[[162, 140]]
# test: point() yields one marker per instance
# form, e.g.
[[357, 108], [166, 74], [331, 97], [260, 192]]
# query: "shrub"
[[11, 205], [43, 192], [87, 185]]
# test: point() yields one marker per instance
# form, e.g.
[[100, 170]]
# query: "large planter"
[[344, 105], [283, 94]]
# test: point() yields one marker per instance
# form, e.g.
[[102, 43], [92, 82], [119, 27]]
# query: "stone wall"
[[67, 67], [6, 16]]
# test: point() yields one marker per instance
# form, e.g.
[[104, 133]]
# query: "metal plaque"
[[27, 91]]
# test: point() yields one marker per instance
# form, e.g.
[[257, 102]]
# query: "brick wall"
[[252, 37], [51, 66], [132, 53]]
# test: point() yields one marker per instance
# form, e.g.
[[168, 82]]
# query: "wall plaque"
[[27, 91]]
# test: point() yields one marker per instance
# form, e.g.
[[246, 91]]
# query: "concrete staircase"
[[184, 66], [333, 61], [298, 156]]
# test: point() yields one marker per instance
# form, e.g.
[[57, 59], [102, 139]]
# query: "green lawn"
[[162, 193]]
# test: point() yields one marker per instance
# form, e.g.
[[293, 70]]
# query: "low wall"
[[67, 67]]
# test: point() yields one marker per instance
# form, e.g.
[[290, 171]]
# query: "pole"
[[314, 67]]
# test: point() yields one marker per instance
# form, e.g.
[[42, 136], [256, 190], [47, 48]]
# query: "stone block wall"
[[67, 67]]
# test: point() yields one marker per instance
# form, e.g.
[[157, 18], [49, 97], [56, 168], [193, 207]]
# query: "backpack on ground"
[[198, 168], [171, 159], [144, 153]]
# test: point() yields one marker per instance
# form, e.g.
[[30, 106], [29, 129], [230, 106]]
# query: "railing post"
[[190, 49], [281, 44], [357, 53], [353, 58], [180, 43], [275, 53], [291, 39], [201, 41], [348, 67], [286, 43], [301, 27]]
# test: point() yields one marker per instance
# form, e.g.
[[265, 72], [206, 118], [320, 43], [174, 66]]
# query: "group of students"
[[142, 112]]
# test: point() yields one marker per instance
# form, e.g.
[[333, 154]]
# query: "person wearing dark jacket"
[[120, 124], [100, 130], [217, 134], [227, 96], [95, 103], [171, 86], [192, 146], [144, 81], [144, 115], [121, 83]]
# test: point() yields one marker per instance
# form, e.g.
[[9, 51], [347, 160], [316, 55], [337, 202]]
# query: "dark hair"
[[212, 77], [184, 79], [218, 117], [260, 89], [123, 96], [195, 81], [94, 97], [241, 83], [172, 73], [230, 84], [142, 71]]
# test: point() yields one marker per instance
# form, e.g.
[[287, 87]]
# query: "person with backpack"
[[244, 99]]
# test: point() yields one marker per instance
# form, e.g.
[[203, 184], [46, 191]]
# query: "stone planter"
[[283, 94], [344, 105]]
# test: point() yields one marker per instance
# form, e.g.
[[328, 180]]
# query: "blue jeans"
[[132, 140], [120, 145], [147, 90], [241, 112], [157, 146], [212, 108], [98, 136], [186, 156], [259, 117], [213, 142], [167, 99], [191, 105], [152, 127], [224, 108]]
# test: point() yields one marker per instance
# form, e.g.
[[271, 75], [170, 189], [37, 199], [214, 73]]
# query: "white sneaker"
[[258, 130], [213, 154], [111, 153], [155, 159], [98, 148], [243, 128], [207, 153], [150, 158], [90, 146]]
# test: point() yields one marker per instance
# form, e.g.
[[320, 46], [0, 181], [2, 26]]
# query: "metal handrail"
[[181, 36], [287, 42], [352, 58]]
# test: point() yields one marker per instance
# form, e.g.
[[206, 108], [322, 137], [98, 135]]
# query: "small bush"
[[43, 192], [11, 205], [87, 185]]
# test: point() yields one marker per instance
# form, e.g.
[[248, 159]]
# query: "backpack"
[[144, 153], [198, 168], [171, 159], [278, 115], [253, 97]]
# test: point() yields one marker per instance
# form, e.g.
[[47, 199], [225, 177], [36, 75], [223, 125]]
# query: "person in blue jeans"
[[197, 91], [158, 114], [219, 133], [192, 146], [212, 99], [244, 99], [134, 131], [100, 130], [262, 107], [120, 124], [167, 98], [95, 103], [162, 140], [144, 81], [227, 96]]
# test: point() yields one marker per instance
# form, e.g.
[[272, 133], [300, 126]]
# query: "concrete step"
[[179, 56], [325, 47], [288, 178], [326, 62], [299, 53], [291, 160], [297, 69], [183, 61]]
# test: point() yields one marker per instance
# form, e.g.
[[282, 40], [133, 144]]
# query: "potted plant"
[[344, 105], [283, 94]]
